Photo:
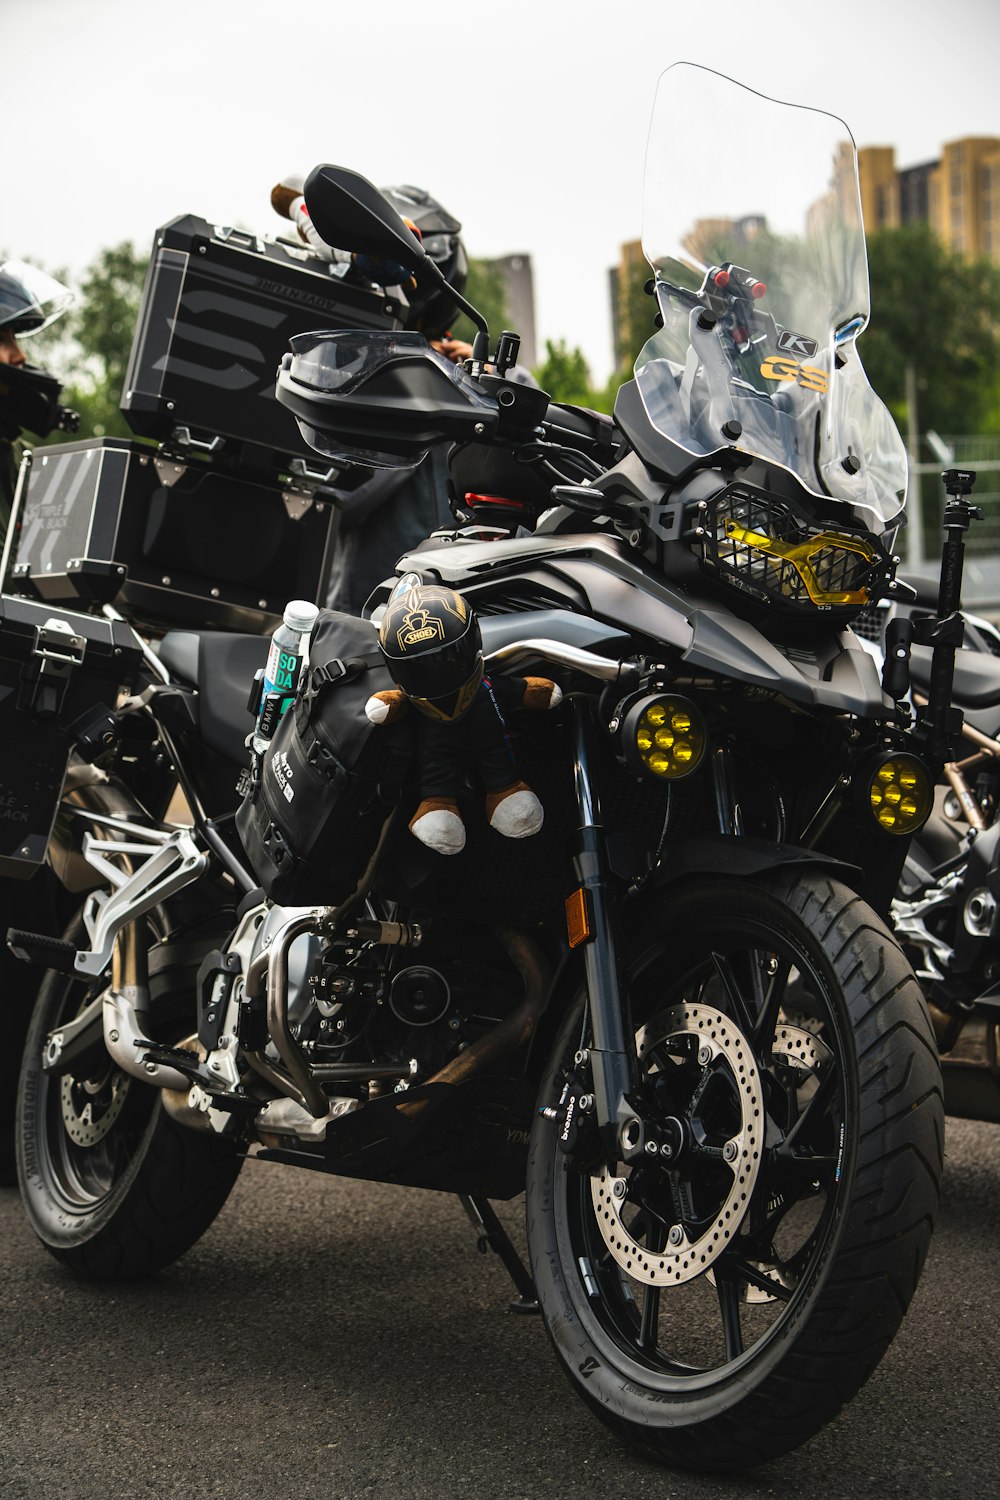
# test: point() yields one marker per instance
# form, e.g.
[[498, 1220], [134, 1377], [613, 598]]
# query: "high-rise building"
[[966, 178], [915, 193], [879, 187], [990, 224], [519, 284], [959, 196]]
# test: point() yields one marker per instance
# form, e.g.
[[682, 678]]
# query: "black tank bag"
[[329, 780]]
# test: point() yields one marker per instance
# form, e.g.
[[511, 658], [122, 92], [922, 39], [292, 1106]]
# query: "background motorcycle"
[[677, 994], [945, 910]]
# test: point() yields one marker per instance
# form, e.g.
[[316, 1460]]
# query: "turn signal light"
[[664, 736], [901, 794], [577, 918]]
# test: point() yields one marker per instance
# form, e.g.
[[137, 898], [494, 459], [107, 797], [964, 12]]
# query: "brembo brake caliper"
[[574, 1113]]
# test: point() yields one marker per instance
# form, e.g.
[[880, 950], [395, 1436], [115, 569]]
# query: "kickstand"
[[492, 1236]]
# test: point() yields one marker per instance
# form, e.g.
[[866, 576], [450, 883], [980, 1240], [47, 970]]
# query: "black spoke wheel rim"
[[688, 1326]]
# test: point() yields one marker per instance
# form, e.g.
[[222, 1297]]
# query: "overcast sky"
[[527, 118]]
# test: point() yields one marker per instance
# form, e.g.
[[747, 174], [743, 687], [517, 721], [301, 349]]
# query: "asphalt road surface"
[[328, 1339]]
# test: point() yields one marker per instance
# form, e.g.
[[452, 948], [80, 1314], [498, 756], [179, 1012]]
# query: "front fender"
[[717, 855], [722, 854]]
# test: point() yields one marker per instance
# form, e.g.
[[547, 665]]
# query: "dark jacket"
[[384, 517], [10, 460]]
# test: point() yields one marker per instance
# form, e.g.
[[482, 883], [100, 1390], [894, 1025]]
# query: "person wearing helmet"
[[397, 509], [29, 301], [11, 352], [431, 310], [394, 509]]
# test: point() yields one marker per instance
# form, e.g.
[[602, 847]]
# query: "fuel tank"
[[599, 576]]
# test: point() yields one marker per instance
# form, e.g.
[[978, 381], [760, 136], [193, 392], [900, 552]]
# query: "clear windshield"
[[752, 224]]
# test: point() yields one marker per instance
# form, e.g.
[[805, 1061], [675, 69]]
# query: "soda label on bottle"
[[281, 674]]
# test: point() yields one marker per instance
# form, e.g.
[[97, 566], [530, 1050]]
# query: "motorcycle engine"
[[417, 1005]]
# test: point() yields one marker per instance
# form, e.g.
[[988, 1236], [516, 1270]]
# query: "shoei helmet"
[[432, 311], [29, 298], [432, 646]]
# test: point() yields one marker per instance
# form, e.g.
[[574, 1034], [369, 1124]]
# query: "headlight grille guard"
[[761, 546]]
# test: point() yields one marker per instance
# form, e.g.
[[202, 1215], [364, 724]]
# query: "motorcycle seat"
[[977, 677], [221, 666]]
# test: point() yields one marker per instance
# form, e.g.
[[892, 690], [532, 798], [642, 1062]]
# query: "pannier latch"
[[46, 673]]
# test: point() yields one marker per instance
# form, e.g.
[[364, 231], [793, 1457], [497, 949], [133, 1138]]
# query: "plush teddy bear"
[[478, 737], [431, 643]]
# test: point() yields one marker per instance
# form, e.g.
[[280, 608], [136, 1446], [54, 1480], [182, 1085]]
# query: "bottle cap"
[[300, 614]]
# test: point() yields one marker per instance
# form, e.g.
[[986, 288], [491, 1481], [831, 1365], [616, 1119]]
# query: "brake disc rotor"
[[810, 1054], [87, 1117], [721, 1045]]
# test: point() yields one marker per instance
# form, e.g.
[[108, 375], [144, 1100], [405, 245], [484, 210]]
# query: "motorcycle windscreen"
[[752, 224]]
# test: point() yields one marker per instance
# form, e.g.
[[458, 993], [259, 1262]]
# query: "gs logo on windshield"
[[778, 367]]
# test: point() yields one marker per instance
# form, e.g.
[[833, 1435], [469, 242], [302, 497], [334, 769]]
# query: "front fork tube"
[[727, 810], [612, 1051]]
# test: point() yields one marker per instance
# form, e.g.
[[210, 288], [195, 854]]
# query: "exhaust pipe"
[[126, 1013], [509, 1035], [301, 1083]]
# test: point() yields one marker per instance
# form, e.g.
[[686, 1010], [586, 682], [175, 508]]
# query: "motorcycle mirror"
[[349, 211]]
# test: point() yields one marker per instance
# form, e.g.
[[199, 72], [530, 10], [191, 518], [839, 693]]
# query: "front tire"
[[716, 1305], [112, 1186]]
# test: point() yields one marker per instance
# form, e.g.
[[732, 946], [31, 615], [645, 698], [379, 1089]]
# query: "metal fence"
[[920, 540]]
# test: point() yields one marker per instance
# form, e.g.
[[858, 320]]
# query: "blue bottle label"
[[281, 675]]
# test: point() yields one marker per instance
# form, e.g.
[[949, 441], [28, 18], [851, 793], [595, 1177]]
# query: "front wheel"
[[717, 1303]]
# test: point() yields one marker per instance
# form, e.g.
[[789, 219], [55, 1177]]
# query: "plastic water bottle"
[[285, 660]]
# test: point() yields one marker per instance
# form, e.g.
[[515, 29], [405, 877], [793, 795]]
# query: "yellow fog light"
[[663, 736], [900, 794]]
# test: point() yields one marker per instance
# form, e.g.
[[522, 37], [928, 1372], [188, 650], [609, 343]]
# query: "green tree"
[[938, 314], [487, 291], [565, 374], [102, 325]]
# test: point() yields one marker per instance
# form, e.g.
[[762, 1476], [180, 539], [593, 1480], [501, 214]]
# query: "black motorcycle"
[[944, 911], [674, 1017]]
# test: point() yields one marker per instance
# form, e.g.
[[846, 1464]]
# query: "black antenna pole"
[[943, 722]]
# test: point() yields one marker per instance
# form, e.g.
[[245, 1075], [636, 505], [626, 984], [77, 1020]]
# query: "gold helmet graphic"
[[430, 640]]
